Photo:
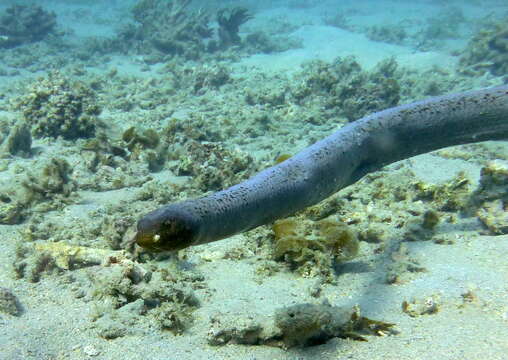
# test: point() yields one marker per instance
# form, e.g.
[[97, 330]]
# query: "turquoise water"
[[109, 110]]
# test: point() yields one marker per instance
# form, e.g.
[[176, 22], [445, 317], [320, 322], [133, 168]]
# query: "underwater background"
[[111, 109]]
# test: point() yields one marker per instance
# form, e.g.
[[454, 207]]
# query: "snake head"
[[165, 230]]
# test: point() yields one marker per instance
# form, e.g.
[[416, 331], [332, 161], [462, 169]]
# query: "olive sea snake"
[[329, 165]]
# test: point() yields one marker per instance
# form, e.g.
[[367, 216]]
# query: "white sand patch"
[[327, 43]]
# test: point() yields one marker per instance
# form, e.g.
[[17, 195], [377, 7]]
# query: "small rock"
[[9, 304], [91, 350]]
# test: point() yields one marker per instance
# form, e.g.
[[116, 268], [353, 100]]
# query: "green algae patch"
[[282, 158]]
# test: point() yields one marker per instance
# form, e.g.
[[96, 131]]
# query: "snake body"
[[329, 165]]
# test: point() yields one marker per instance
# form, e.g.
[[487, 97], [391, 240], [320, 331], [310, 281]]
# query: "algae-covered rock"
[[31, 265], [493, 181], [424, 34], [214, 166], [46, 186], [312, 248], [122, 289], [422, 228], [33, 260], [147, 138], [20, 24], [487, 51], [9, 303], [452, 195], [300, 325], [393, 34], [11, 211], [491, 197], [18, 141], [494, 216], [171, 27], [267, 94], [115, 163], [446, 24], [309, 324], [58, 106], [145, 144], [245, 331], [128, 290], [348, 88], [210, 77], [51, 178], [261, 42]]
